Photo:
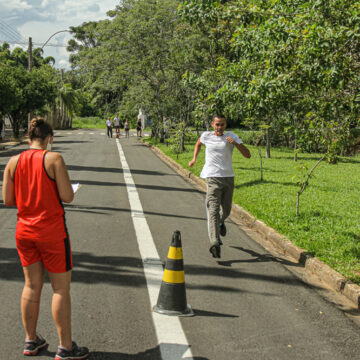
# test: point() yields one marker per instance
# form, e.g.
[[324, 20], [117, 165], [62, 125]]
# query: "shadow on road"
[[105, 210], [257, 258], [128, 271], [115, 170], [175, 351], [139, 186]]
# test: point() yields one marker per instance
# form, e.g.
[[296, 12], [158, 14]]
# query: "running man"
[[219, 175]]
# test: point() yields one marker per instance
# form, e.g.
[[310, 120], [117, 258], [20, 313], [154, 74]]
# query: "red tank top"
[[41, 216]]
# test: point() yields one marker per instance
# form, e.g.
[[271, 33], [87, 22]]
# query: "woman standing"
[[37, 182], [127, 128]]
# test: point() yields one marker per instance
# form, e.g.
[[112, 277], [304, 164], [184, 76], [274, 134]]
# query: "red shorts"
[[55, 254]]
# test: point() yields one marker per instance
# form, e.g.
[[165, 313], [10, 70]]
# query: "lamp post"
[[30, 59], [60, 31]]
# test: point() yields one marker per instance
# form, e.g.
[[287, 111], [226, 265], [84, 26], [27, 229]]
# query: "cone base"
[[187, 312]]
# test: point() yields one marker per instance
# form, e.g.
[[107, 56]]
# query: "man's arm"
[[241, 147], [196, 152]]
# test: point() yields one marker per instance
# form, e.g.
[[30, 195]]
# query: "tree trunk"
[[295, 147], [268, 144], [182, 141]]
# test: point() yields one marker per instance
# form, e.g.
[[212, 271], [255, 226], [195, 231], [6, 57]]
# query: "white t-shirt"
[[108, 122], [116, 121], [218, 154]]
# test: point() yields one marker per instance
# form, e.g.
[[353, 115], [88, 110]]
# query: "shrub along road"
[[248, 305]]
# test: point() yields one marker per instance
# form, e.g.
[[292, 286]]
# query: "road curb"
[[313, 266]]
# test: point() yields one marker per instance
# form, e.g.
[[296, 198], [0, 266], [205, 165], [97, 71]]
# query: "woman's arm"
[[56, 168], [8, 188]]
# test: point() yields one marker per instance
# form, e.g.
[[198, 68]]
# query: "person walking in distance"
[[117, 125], [219, 175], [109, 127], [127, 128], [139, 128], [37, 182]]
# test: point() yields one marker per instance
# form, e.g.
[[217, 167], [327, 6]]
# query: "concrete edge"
[[312, 265]]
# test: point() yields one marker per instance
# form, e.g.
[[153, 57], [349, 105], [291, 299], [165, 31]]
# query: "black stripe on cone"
[[172, 295]]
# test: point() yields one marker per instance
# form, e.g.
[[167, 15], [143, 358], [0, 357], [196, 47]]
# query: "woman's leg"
[[61, 306], [30, 299]]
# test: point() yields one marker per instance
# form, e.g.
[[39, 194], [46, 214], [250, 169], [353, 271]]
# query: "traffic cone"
[[172, 295]]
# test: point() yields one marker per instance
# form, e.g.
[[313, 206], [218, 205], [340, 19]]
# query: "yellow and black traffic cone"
[[172, 295]]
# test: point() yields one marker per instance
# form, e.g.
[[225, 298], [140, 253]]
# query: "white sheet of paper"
[[75, 187]]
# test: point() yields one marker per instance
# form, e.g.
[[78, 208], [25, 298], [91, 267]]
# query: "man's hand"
[[192, 162]]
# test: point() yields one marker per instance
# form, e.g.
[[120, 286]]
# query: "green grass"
[[88, 122], [328, 223]]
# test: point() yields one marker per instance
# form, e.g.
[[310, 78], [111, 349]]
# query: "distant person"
[[109, 125], [219, 175], [37, 182], [127, 128], [139, 128], [117, 125]]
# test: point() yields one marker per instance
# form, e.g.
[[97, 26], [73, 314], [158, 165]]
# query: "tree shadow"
[[10, 153], [259, 182], [128, 271], [70, 142], [105, 211], [115, 170], [138, 186]]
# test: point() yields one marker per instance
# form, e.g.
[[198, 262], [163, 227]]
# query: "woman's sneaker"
[[31, 347], [76, 353]]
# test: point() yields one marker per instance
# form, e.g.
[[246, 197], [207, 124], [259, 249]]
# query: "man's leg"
[[30, 299], [226, 198], [213, 199], [61, 306]]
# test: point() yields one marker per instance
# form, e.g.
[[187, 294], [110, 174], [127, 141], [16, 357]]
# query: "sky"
[[39, 19]]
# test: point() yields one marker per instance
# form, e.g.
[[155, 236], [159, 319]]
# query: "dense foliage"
[[37, 92], [286, 67]]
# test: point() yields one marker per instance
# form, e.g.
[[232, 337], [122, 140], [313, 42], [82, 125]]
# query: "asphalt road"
[[248, 305]]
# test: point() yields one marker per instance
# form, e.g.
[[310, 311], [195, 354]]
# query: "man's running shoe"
[[32, 347], [76, 353], [215, 251], [222, 229]]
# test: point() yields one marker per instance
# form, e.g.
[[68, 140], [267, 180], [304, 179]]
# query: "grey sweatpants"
[[218, 204]]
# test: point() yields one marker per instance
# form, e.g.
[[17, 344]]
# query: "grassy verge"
[[328, 222], [88, 122]]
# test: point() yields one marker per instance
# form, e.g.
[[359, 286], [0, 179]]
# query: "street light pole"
[[52, 36], [30, 60]]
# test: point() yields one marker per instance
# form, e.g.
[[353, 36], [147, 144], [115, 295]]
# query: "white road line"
[[80, 133], [171, 338], [91, 133]]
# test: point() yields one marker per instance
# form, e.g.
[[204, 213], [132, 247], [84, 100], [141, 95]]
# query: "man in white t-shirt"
[[219, 175], [109, 127]]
